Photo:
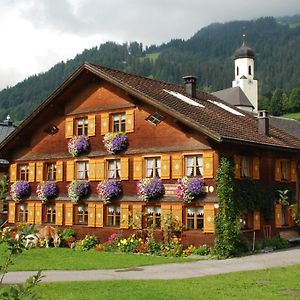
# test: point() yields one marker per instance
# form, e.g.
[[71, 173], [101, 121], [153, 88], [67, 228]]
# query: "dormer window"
[[119, 122], [155, 119], [82, 126]]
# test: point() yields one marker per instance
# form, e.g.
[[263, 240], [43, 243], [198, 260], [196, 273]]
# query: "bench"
[[290, 235]]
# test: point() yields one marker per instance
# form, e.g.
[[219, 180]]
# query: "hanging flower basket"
[[189, 188], [78, 189], [109, 190], [46, 191], [115, 142], [19, 190], [78, 145], [150, 189]]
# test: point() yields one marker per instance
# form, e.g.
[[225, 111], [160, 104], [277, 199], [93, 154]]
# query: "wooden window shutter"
[[289, 216], [124, 212], [59, 171], [177, 212], [92, 169], [137, 168], [137, 216], [255, 168], [209, 218], [256, 220], [104, 123], [278, 215], [39, 171], [293, 170], [38, 213], [70, 170], [92, 125], [208, 164], [130, 120], [237, 167], [176, 166], [69, 128], [59, 214], [124, 168], [13, 173], [92, 215], [69, 214], [31, 176], [99, 172], [165, 212], [165, 167], [11, 212], [31, 213], [99, 215], [277, 170]]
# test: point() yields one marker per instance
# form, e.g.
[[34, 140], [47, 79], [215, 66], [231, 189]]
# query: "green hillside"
[[208, 54]]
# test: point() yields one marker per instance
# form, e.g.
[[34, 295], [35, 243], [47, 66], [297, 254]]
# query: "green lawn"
[[68, 259], [277, 283], [295, 116]]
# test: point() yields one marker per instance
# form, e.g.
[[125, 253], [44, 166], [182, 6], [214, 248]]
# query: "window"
[[193, 165], [194, 218], [23, 213], [153, 167], [113, 169], [119, 122], [82, 170], [50, 213], [153, 216], [250, 70], [51, 171], [82, 214], [284, 169], [155, 119], [23, 172], [245, 166], [237, 71], [82, 126], [246, 221], [113, 215]]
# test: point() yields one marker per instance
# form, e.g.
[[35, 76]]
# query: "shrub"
[[202, 250], [129, 244], [174, 248], [154, 247], [277, 243], [88, 243]]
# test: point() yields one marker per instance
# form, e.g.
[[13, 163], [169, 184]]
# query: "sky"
[[37, 34]]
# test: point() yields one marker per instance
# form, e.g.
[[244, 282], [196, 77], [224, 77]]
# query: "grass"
[[68, 259], [295, 116], [277, 283]]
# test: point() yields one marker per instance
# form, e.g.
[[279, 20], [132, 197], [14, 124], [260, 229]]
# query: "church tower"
[[244, 73]]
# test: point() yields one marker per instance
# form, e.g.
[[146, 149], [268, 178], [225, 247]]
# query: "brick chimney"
[[190, 83], [263, 122]]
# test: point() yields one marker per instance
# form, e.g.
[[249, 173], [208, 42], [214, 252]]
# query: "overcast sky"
[[36, 34]]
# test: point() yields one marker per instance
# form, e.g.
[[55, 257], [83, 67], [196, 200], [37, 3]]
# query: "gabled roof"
[[207, 114], [234, 96]]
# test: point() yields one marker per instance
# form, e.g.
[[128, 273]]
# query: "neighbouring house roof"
[[288, 125], [206, 113], [234, 96]]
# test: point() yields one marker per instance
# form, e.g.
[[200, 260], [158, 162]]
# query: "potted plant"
[[78, 145], [150, 188], [115, 142], [78, 189], [109, 190], [46, 190], [189, 188], [19, 190]]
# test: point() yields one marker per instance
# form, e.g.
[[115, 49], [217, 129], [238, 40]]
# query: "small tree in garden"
[[227, 227]]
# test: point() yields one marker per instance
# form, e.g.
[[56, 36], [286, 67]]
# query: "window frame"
[[155, 169], [51, 214], [154, 220], [116, 170], [195, 166], [118, 122], [195, 218], [82, 129], [115, 216], [23, 214], [82, 215], [287, 164], [245, 167], [50, 173], [23, 174], [85, 170]]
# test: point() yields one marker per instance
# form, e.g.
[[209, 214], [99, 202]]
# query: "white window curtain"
[[118, 171], [200, 165], [150, 165], [190, 212], [190, 166], [245, 167], [111, 169], [158, 167]]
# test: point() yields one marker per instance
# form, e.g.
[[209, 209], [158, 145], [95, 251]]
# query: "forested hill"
[[208, 55]]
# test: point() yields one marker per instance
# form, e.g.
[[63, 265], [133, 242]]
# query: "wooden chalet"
[[173, 131]]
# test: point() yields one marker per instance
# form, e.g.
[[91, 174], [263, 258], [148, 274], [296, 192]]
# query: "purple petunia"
[[78, 189], [115, 142], [78, 144], [47, 190], [150, 188], [107, 190], [19, 190], [189, 188]]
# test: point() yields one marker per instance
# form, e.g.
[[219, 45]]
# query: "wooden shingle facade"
[[170, 135]]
